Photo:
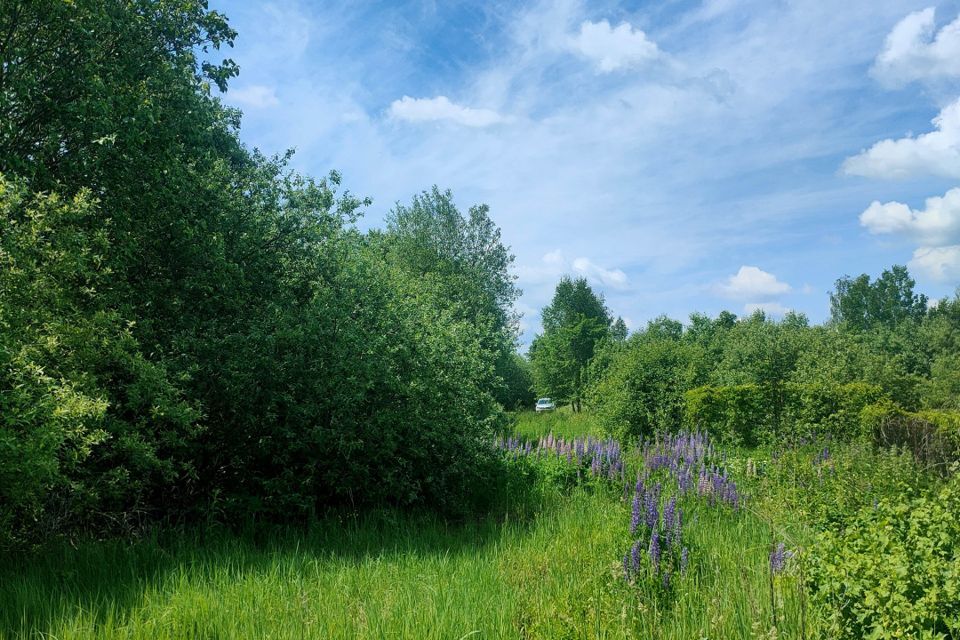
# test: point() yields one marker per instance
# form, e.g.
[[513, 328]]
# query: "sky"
[[681, 155]]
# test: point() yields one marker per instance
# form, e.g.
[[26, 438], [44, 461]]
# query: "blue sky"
[[683, 156]]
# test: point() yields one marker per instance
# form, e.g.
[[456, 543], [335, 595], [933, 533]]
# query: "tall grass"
[[401, 576], [556, 573], [562, 423]]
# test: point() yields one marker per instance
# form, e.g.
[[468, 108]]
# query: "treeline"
[[755, 378], [189, 329]]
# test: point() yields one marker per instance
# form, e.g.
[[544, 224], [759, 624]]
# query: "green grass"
[[561, 423], [392, 574], [400, 576]]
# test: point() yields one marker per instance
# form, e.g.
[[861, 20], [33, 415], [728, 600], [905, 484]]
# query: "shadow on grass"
[[101, 579]]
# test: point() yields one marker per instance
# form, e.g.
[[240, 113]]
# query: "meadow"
[[554, 564]]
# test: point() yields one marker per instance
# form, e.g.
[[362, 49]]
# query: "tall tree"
[[574, 323], [889, 301]]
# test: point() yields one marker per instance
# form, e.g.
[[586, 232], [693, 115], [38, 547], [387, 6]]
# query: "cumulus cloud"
[[610, 277], [938, 263], [936, 225], [441, 108], [937, 152], [752, 283], [915, 50], [612, 48], [553, 265], [769, 308], [254, 96]]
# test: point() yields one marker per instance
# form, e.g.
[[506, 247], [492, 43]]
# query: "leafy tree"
[[889, 301], [574, 323]]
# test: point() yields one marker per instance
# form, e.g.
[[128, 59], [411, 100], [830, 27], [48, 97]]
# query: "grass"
[[391, 574], [561, 423]]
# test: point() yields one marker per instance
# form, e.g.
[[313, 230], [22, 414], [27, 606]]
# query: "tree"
[[574, 323], [889, 301]]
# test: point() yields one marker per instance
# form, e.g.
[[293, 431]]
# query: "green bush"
[[747, 414], [641, 390], [932, 436], [735, 414], [894, 572]]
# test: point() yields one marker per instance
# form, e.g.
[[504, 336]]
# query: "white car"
[[544, 404]]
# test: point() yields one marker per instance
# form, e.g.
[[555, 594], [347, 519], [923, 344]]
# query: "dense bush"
[[745, 414], [932, 436], [894, 571], [641, 388], [188, 328]]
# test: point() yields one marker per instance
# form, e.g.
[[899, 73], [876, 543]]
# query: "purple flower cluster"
[[690, 463], [659, 536], [600, 458], [686, 457]]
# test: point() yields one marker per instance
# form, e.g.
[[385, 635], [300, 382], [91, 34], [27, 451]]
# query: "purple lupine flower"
[[635, 556], [666, 578], [678, 526], [684, 559], [669, 513], [626, 565], [652, 513], [635, 514], [655, 550], [778, 558]]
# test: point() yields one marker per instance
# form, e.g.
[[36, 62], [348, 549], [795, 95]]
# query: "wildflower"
[[684, 560], [635, 515], [778, 558], [655, 550]]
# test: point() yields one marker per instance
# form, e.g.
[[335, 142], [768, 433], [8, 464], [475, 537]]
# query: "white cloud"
[[610, 277], [254, 96], [936, 225], [937, 152], [752, 283], [769, 308], [914, 50], [612, 48], [939, 263], [553, 265], [441, 108]]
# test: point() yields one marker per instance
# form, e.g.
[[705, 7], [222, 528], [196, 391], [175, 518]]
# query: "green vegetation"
[[227, 411]]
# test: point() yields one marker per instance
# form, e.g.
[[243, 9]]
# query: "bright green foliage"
[[743, 415], [87, 424], [735, 414], [894, 571], [574, 324], [641, 390]]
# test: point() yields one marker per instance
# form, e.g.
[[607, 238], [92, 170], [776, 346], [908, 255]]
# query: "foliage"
[[894, 571], [641, 389], [574, 324], [888, 301], [742, 414]]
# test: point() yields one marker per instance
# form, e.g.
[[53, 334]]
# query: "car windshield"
[[543, 401]]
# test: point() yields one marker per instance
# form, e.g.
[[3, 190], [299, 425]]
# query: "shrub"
[[894, 572], [932, 436], [746, 414], [734, 414]]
